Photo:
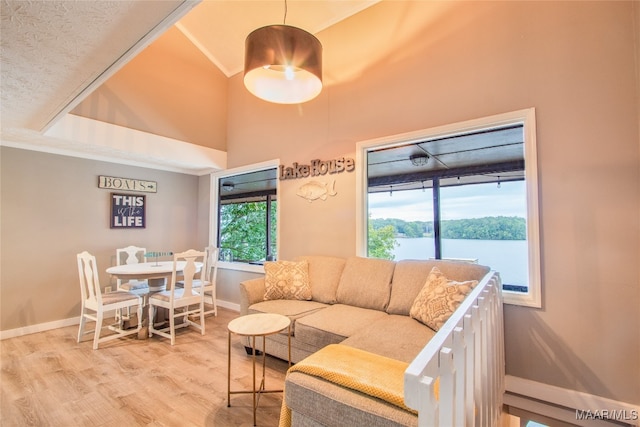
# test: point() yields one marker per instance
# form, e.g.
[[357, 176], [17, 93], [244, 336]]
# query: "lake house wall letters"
[[317, 168]]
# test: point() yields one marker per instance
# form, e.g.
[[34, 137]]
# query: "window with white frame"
[[467, 191], [245, 215]]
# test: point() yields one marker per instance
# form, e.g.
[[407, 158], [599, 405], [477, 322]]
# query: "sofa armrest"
[[251, 292]]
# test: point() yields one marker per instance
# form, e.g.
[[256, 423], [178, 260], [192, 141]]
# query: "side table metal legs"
[[255, 391], [256, 325]]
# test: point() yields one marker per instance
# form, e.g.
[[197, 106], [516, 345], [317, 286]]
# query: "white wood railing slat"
[[459, 366], [469, 336], [447, 386]]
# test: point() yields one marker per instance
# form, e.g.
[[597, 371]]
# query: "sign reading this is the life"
[[127, 211]]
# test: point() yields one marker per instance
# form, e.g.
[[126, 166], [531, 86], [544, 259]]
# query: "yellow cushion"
[[287, 280], [356, 369], [439, 298]]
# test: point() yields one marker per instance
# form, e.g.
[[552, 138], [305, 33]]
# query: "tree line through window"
[[247, 217]]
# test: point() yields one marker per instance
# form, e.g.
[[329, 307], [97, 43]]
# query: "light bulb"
[[288, 73]]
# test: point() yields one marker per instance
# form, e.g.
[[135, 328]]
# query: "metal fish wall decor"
[[314, 190]]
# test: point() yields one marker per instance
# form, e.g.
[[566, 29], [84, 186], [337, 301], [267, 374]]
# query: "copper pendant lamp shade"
[[283, 64]]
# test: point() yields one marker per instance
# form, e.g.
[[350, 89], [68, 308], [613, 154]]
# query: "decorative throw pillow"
[[439, 298], [287, 280]]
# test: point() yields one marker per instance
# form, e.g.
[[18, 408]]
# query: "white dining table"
[[157, 274]]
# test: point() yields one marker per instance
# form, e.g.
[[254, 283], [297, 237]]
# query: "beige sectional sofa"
[[363, 303]]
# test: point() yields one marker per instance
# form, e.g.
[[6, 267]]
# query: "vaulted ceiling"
[[55, 53]]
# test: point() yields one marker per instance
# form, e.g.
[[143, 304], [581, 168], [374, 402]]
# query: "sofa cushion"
[[395, 336], [439, 298], [287, 280], [366, 283], [333, 324], [324, 276], [409, 276], [293, 309]]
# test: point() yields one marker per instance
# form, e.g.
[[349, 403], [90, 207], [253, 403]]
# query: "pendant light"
[[283, 64]]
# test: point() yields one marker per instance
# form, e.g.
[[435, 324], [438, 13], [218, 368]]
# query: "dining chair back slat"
[[89, 278], [210, 276], [188, 274], [131, 255]]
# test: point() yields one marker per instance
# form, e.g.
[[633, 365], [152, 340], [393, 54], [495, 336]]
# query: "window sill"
[[528, 299], [241, 266]]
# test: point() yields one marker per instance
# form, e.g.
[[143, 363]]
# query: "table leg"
[[229, 371], [254, 377], [289, 344]]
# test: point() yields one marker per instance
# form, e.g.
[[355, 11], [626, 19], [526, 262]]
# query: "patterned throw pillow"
[[287, 280], [439, 298]]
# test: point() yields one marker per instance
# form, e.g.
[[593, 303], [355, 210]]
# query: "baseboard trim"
[[229, 305], [40, 327], [47, 326], [563, 404]]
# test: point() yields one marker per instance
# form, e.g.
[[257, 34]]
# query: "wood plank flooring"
[[48, 379]]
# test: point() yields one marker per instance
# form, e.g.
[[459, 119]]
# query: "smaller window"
[[245, 226]]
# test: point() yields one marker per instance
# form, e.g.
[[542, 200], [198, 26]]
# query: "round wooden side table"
[[256, 325]]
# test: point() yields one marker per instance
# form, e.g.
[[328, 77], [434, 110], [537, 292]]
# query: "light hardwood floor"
[[50, 380]]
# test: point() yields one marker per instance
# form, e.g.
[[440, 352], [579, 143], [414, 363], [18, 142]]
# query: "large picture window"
[[246, 222], [465, 192]]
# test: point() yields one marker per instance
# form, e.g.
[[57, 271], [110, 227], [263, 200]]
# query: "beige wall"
[[573, 62], [52, 209], [170, 89]]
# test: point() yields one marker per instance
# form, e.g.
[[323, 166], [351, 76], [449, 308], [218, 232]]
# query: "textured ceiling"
[[53, 51]]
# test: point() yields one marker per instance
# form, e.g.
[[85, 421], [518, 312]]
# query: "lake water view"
[[508, 257]]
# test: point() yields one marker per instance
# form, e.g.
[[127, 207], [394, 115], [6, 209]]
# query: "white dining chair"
[[208, 276], [95, 303], [181, 302], [131, 255]]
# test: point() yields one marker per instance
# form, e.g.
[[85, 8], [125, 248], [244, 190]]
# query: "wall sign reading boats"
[[317, 168], [127, 184]]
